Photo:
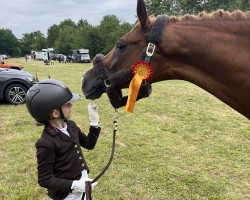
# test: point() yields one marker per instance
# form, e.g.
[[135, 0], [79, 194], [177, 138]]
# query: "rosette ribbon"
[[141, 71]]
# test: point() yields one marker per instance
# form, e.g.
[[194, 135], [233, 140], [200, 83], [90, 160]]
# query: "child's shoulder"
[[71, 123], [41, 142]]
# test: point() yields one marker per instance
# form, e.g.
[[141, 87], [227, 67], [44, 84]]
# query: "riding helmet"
[[47, 95]]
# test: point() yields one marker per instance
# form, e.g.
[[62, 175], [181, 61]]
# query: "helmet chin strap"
[[62, 115]]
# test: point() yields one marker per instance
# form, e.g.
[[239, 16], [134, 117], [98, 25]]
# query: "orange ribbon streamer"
[[133, 91]]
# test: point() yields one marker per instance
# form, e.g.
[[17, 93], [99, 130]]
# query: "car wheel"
[[15, 94]]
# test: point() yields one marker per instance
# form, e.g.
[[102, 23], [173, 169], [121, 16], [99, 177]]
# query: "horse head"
[[112, 72]]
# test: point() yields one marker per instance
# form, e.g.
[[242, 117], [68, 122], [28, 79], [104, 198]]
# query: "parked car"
[[3, 56], [18, 66], [14, 85]]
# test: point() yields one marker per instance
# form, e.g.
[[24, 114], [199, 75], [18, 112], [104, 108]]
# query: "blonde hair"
[[38, 123]]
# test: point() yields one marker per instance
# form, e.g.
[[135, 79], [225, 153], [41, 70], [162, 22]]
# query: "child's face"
[[66, 108]]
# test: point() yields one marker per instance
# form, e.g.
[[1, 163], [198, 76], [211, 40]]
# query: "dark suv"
[[14, 85]]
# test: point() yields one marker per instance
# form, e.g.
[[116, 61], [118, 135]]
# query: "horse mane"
[[217, 15]]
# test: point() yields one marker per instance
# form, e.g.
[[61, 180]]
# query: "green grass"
[[180, 143]]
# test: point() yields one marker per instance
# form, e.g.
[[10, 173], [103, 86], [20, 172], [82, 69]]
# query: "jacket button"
[[75, 145], [82, 164], [80, 157], [78, 151]]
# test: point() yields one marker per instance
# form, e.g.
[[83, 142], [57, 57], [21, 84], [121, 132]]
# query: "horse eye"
[[120, 45]]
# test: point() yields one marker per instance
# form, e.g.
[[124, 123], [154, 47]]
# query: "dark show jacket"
[[60, 158]]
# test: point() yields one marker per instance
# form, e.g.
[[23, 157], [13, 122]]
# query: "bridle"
[[125, 75]]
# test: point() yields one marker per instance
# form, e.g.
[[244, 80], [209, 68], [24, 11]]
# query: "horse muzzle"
[[92, 86]]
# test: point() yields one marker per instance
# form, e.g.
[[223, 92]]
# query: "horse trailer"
[[81, 56]]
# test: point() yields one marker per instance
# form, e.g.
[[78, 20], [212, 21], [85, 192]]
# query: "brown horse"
[[210, 50]]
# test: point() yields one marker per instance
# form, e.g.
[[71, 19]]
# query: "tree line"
[[66, 36], [69, 35], [181, 7]]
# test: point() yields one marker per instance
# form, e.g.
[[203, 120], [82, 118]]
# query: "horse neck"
[[213, 56]]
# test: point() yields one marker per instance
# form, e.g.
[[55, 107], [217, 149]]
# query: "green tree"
[[81, 34], [119, 28], [180, 7], [82, 23], [53, 34], [64, 43], [32, 41], [9, 43], [40, 41], [228, 5], [94, 41], [157, 7], [67, 23], [245, 5], [61, 36]]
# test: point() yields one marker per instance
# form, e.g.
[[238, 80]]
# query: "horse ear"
[[142, 14]]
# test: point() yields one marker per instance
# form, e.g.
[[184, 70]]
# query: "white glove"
[[79, 186], [93, 114]]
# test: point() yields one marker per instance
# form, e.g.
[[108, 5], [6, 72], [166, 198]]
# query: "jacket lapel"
[[64, 137], [71, 131]]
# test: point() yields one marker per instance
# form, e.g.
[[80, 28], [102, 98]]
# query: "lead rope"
[[88, 186]]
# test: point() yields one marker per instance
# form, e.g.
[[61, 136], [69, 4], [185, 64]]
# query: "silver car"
[[14, 85]]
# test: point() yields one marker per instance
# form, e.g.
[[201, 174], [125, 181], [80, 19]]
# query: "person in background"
[[64, 59], [26, 57], [62, 168]]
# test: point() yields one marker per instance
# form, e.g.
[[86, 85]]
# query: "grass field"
[[181, 143]]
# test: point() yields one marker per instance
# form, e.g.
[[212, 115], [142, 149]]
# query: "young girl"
[[62, 168]]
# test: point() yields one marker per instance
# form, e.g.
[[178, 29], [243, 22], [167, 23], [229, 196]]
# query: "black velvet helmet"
[[48, 95]]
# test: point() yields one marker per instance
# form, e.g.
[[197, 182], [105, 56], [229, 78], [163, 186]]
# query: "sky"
[[26, 16]]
